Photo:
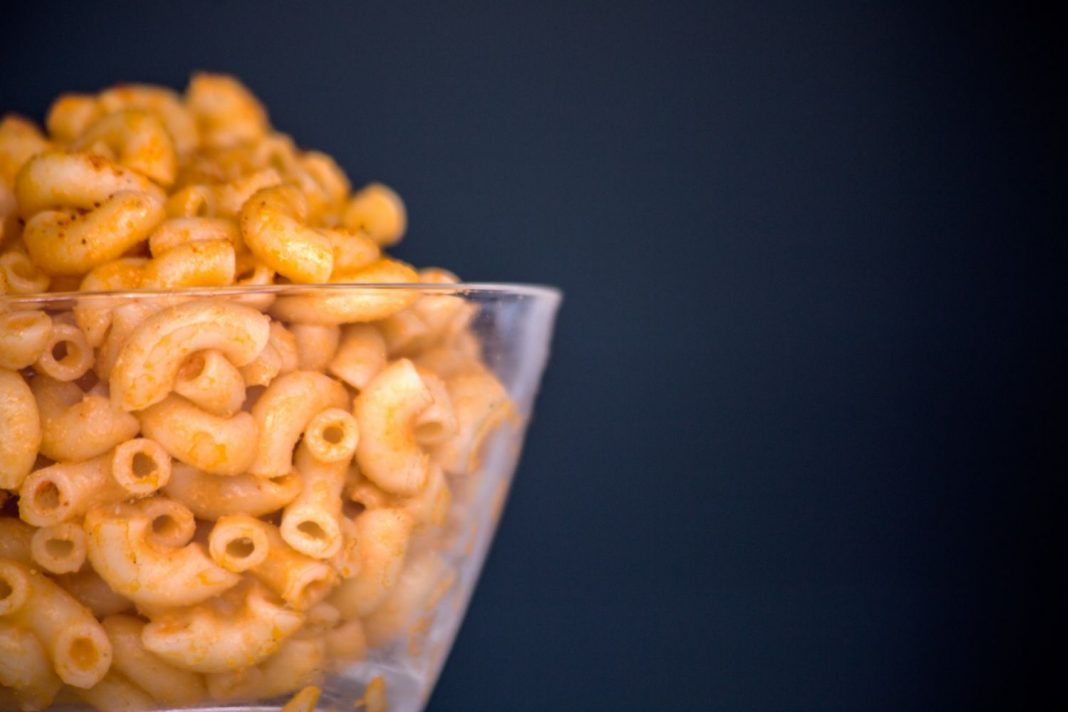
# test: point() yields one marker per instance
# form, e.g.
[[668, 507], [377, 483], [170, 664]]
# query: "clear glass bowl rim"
[[538, 291]]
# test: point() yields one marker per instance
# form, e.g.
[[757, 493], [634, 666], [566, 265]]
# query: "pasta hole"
[[59, 548], [240, 548], [142, 465], [60, 350], [164, 526], [192, 368], [352, 509], [47, 496], [312, 530], [5, 589], [83, 653], [333, 434]]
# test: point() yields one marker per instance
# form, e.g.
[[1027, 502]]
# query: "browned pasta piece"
[[60, 548], [66, 490], [140, 466], [75, 642]]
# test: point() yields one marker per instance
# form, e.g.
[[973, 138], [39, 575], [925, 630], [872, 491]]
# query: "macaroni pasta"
[[212, 487]]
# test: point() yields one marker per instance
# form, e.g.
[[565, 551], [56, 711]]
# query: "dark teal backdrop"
[[794, 448]]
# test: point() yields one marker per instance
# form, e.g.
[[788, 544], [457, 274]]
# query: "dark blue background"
[[794, 446]]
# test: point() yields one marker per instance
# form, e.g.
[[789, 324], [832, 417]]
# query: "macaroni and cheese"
[[215, 493]]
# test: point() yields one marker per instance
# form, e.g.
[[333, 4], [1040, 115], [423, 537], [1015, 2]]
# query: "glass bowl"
[[477, 352]]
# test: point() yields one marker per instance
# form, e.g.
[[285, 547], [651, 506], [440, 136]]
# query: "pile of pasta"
[[223, 493]]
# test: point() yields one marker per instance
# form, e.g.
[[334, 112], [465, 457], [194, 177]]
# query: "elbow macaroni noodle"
[[223, 496], [78, 426], [25, 668]]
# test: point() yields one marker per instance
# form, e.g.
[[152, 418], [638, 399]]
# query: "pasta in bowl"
[[244, 454]]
